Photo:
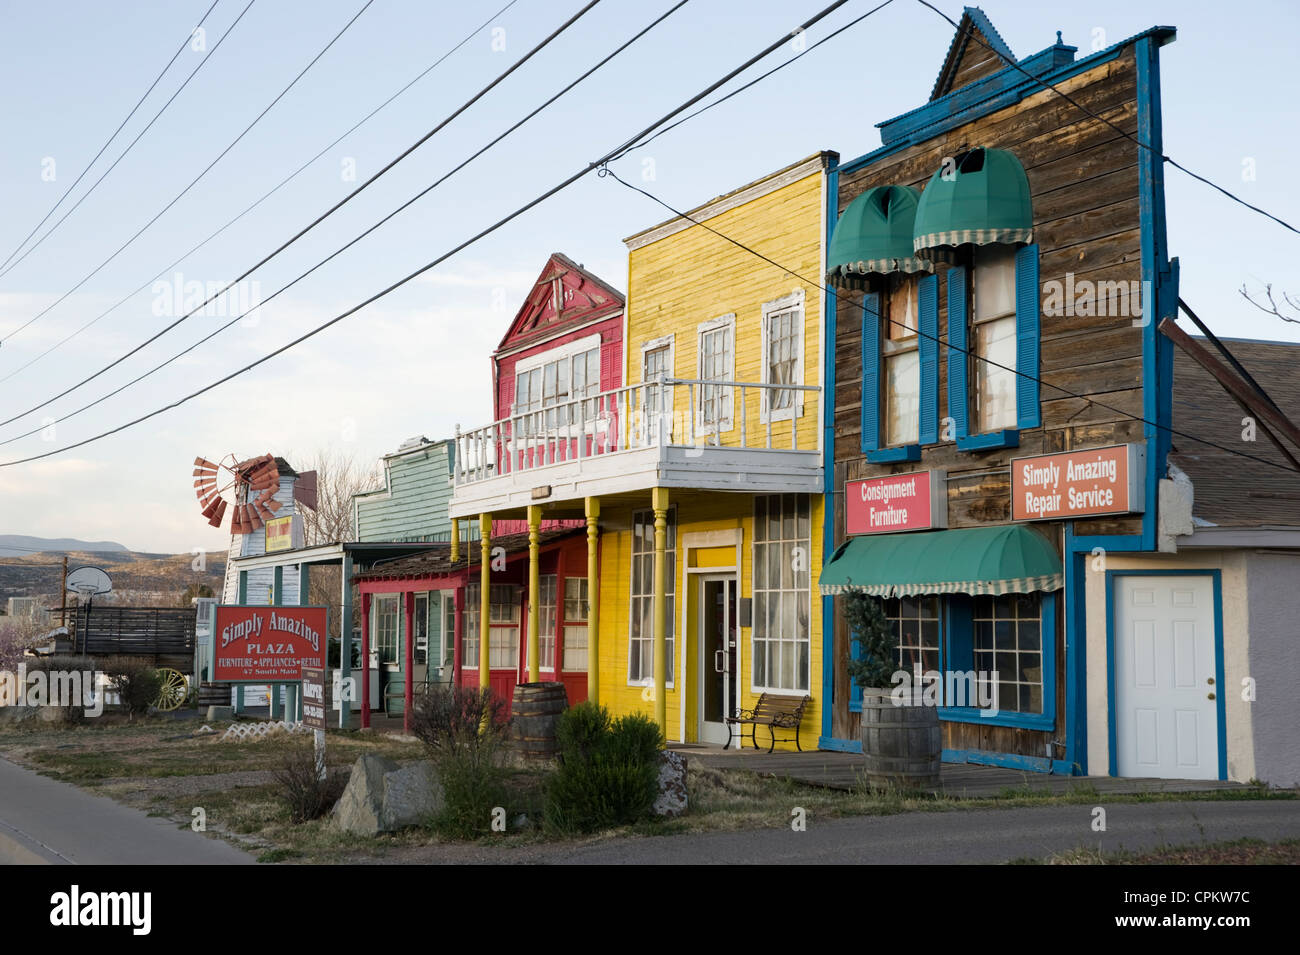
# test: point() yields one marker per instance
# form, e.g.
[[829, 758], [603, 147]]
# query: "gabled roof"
[[1230, 490], [565, 294], [973, 21]]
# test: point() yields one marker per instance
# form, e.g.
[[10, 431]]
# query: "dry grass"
[[1235, 852]]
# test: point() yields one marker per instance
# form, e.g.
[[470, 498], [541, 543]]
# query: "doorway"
[[718, 639]]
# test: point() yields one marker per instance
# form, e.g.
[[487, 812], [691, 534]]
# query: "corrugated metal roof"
[[436, 561]]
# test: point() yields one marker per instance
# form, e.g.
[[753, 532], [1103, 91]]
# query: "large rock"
[[671, 797], [382, 797]]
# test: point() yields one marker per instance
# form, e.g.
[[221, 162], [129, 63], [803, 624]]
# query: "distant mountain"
[[19, 544]]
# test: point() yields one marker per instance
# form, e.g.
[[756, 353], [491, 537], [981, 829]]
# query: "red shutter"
[[611, 364]]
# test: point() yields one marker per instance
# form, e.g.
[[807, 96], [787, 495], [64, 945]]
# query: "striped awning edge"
[[924, 244], [976, 588]]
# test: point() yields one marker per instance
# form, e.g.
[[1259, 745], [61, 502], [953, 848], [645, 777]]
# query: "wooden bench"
[[774, 712]]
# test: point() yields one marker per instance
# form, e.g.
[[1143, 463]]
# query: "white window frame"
[[565, 625], [757, 551], [793, 301], [890, 348], [551, 356], [670, 369], [728, 419], [975, 412], [671, 557]]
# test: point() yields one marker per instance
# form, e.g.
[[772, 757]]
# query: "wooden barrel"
[[213, 694], [902, 745], [534, 713]]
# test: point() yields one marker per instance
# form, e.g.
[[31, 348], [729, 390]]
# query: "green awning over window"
[[1007, 559], [874, 237], [981, 200]]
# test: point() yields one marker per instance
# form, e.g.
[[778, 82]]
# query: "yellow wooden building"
[[701, 478]]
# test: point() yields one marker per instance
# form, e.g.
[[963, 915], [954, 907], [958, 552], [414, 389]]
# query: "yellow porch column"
[[659, 500], [593, 599], [455, 540], [534, 593], [484, 597]]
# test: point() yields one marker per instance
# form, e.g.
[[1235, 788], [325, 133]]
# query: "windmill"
[[246, 488]]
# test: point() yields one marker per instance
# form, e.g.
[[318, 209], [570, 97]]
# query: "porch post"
[[365, 661], [455, 540], [534, 592], [659, 500], [409, 662], [345, 646], [484, 604], [593, 599]]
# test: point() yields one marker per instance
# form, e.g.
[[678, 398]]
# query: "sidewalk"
[[43, 821]]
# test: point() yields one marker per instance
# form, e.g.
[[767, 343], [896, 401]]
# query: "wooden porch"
[[836, 770]]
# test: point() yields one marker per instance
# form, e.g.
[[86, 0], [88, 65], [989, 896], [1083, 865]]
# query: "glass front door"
[[719, 686]]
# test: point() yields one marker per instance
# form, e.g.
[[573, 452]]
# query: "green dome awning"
[[874, 237], [984, 200], [1006, 559]]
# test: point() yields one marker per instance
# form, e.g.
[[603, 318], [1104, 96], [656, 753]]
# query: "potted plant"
[[901, 741]]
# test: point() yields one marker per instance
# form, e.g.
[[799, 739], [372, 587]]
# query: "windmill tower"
[[254, 492]]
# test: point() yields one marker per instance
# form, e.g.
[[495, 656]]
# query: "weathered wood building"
[[1000, 262]]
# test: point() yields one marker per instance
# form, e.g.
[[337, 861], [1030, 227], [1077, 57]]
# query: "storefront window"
[[1007, 638], [385, 608], [575, 623], [781, 632], [641, 643], [916, 628]]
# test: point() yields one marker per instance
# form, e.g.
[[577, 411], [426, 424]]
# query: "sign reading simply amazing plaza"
[[268, 644], [900, 502], [1078, 483]]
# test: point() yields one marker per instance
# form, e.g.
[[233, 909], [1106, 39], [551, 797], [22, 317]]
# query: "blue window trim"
[[1220, 708], [972, 714], [990, 439], [905, 452]]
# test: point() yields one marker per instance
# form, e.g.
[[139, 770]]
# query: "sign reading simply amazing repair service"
[[268, 644], [900, 502], [1078, 483]]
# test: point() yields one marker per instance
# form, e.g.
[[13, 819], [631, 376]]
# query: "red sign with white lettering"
[[268, 644], [899, 502], [1078, 483]]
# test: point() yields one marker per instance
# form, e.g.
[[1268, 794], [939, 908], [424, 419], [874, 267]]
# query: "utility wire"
[[559, 187], [473, 156], [940, 341], [90, 165], [267, 195], [206, 169], [283, 182], [121, 156], [1127, 135], [323, 216]]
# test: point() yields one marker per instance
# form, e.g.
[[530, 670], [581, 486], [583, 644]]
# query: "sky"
[[417, 361]]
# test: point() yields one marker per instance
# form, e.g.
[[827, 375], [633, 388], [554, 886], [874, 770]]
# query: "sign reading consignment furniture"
[[1078, 483], [268, 644], [916, 501]]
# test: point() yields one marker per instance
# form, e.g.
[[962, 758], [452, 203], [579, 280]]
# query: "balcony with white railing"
[[675, 432]]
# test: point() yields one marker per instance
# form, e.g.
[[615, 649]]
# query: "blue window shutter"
[[870, 371], [1028, 411], [958, 344], [928, 322]]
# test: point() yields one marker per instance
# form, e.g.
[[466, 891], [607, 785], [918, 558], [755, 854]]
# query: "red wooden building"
[[565, 343]]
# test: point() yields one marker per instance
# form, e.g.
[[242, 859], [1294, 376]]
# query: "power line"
[[283, 182], [473, 156], [1127, 135], [559, 187], [364, 7], [121, 156], [935, 338], [90, 165], [327, 213]]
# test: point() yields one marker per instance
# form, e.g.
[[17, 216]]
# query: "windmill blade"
[[220, 514], [305, 489], [205, 463]]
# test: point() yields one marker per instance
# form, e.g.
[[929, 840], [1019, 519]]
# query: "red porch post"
[[410, 659], [365, 661]]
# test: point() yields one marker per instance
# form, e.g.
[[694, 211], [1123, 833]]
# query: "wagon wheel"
[[173, 691]]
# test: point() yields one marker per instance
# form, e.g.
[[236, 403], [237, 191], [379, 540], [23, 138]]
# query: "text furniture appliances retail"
[[1073, 484], [900, 502], [268, 644]]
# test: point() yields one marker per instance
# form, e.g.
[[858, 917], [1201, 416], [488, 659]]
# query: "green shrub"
[[52, 664], [135, 681], [464, 732], [607, 772]]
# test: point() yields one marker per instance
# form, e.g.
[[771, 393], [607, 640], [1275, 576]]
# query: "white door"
[[719, 689], [1166, 716]]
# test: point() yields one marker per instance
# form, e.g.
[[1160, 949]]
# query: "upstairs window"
[[546, 384], [717, 351], [993, 342], [783, 321], [901, 397]]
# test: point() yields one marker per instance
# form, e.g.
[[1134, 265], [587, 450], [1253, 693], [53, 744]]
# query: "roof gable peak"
[[977, 50]]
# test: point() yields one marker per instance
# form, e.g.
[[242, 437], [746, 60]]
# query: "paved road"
[[982, 836], [46, 821]]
